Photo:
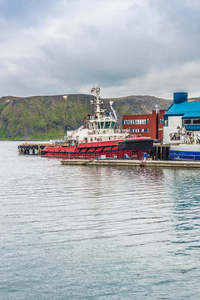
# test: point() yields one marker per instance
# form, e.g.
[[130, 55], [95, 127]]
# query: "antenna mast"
[[97, 102]]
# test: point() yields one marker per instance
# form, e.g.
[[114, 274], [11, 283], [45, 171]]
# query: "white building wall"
[[173, 123]]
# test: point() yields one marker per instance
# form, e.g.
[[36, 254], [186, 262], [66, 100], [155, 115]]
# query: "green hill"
[[48, 117]]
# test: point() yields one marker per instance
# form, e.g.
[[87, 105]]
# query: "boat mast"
[[98, 109]]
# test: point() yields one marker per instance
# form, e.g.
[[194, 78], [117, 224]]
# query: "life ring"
[[100, 139], [91, 140], [97, 140], [104, 131]]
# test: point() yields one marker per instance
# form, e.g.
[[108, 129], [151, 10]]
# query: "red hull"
[[134, 148]]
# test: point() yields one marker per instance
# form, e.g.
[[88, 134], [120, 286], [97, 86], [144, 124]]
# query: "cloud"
[[125, 47]]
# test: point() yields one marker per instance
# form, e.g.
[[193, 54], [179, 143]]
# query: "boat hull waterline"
[[128, 148], [185, 152]]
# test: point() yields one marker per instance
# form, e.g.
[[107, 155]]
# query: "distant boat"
[[188, 147], [184, 152]]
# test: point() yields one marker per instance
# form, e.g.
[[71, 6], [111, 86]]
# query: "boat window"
[[107, 148], [98, 125], [99, 149], [107, 125], [112, 124], [92, 125], [102, 125], [186, 121]]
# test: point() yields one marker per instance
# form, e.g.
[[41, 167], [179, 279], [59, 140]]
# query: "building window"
[[140, 121], [127, 122], [166, 122], [196, 121], [191, 121], [186, 122], [137, 130], [136, 122], [161, 121]]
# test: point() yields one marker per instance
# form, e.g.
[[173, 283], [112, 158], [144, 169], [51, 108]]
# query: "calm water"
[[85, 232]]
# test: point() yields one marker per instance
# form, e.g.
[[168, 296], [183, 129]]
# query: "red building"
[[145, 125]]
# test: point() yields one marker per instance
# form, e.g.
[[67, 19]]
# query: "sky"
[[125, 47]]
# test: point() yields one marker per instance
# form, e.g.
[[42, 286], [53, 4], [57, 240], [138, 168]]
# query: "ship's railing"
[[92, 132], [122, 131], [53, 142], [108, 131]]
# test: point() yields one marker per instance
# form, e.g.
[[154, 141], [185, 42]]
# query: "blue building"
[[183, 115]]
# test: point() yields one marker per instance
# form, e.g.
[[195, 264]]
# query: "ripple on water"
[[82, 232]]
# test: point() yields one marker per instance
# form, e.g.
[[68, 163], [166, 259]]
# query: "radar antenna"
[[97, 103]]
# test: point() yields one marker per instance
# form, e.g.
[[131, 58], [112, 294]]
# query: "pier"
[[132, 163], [161, 151], [31, 148]]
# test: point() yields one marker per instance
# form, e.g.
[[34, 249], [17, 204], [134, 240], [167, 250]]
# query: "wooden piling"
[[31, 148]]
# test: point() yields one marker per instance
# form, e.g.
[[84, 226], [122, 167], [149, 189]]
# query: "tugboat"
[[97, 137]]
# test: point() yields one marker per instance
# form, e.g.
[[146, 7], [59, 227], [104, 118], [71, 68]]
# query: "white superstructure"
[[99, 127]]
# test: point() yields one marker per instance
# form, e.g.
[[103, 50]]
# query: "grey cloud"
[[22, 13], [70, 45]]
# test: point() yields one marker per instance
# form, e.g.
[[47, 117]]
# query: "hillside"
[[48, 117]]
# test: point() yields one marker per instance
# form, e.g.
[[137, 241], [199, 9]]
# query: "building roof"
[[186, 109], [195, 114]]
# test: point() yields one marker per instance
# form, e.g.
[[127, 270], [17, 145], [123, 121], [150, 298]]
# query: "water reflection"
[[80, 232]]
